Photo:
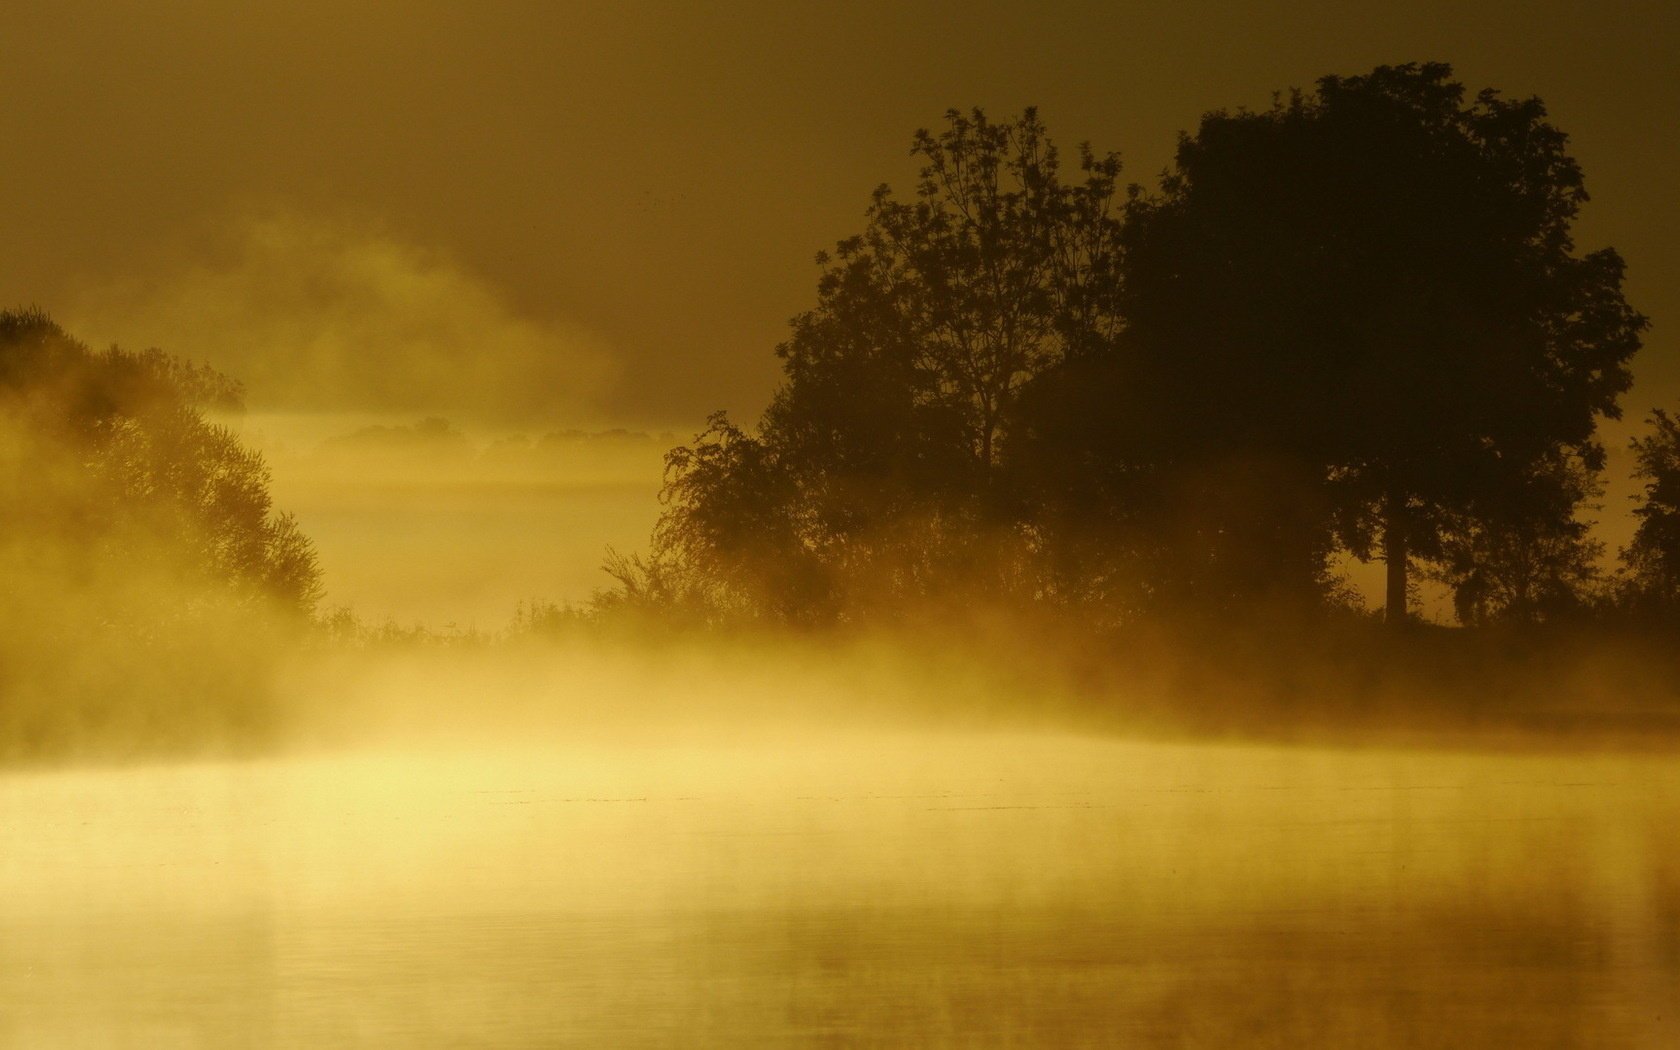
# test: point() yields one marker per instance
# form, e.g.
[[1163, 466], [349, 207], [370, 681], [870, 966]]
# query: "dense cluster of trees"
[[111, 461], [1355, 323], [146, 571]]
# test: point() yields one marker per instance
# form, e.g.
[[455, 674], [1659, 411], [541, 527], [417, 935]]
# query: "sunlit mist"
[[948, 525]]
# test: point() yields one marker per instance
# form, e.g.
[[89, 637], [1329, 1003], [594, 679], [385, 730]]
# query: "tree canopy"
[[1374, 289], [1355, 322], [878, 466], [109, 459]]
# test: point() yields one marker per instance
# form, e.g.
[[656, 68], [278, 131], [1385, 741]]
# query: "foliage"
[[147, 574], [875, 475], [1651, 579], [1377, 282], [110, 459], [1539, 565], [1354, 322]]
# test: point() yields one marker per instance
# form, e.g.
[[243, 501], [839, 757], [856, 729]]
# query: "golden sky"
[[605, 213]]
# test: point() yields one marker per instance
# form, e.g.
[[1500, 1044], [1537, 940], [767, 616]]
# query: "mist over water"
[[933, 836], [628, 844], [1229, 609], [967, 826], [845, 886]]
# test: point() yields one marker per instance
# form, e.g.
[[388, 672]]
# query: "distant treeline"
[[435, 435], [1353, 324]]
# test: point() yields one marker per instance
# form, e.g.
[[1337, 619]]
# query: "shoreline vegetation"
[[1066, 453], [562, 673]]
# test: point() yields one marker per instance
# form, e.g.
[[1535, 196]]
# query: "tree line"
[[1354, 324]]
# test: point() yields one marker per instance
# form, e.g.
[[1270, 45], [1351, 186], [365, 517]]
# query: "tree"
[[952, 301], [1651, 562], [1532, 561], [109, 460], [1114, 478], [730, 538], [879, 458], [1373, 286], [147, 573]]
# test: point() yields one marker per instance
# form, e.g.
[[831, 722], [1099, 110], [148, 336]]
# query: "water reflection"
[[883, 890]]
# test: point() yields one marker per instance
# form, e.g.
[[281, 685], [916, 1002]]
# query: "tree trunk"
[[1395, 554]]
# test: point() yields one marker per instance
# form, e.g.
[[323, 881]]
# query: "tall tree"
[[1378, 282], [886, 437]]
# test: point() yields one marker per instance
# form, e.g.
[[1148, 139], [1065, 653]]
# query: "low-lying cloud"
[[325, 315]]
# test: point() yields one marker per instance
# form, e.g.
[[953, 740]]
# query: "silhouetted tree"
[[879, 457], [1373, 289], [730, 536], [1652, 560], [1166, 525], [1354, 321], [1531, 560]]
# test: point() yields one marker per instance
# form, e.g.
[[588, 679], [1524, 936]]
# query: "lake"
[[845, 888]]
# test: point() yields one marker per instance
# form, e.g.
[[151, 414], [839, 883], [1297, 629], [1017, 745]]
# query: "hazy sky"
[[607, 212]]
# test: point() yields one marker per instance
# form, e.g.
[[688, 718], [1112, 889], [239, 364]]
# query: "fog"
[[455, 526], [339, 314], [975, 828], [410, 653], [970, 833], [640, 846]]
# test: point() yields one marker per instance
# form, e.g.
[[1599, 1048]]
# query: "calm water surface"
[[846, 889]]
